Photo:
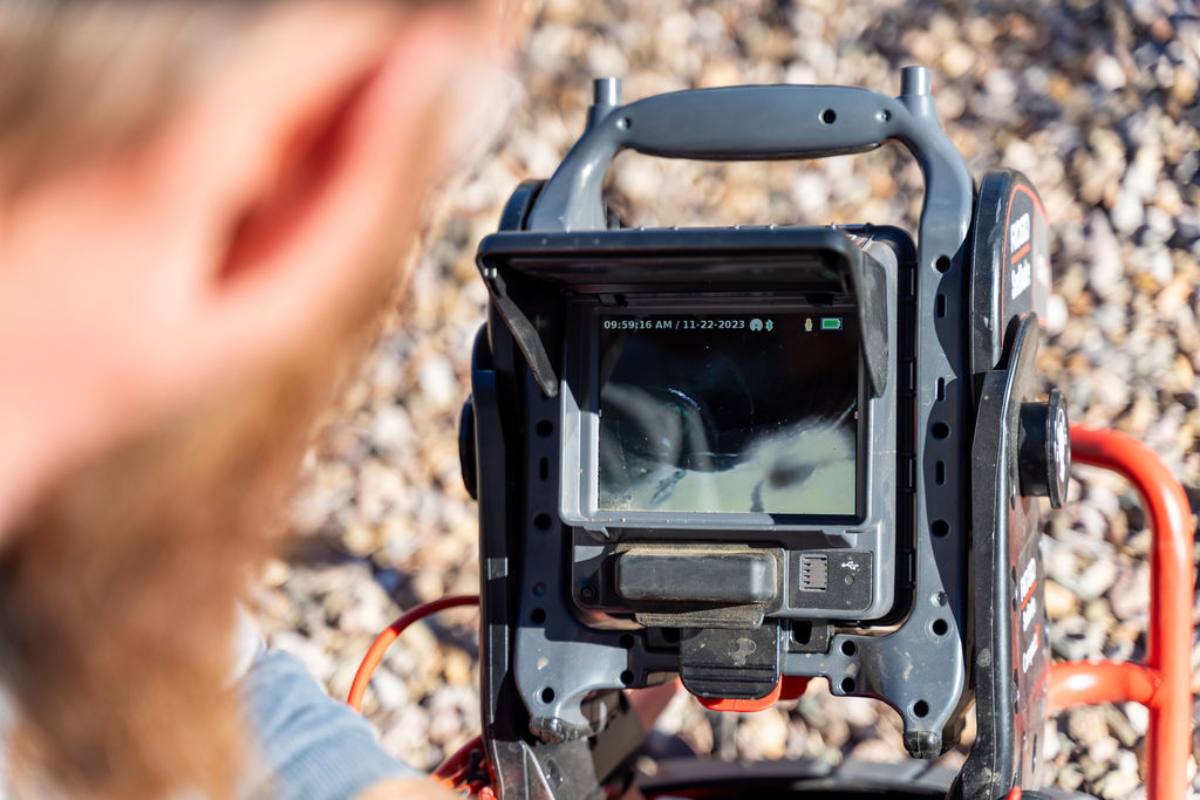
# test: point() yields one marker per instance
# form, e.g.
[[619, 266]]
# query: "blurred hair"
[[116, 604], [81, 78], [117, 590]]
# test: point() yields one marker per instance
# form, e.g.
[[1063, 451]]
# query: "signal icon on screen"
[[756, 324]]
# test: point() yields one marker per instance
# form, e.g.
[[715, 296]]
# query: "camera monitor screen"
[[729, 413]]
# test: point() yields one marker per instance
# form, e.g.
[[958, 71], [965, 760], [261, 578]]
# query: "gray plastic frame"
[[918, 670], [873, 529]]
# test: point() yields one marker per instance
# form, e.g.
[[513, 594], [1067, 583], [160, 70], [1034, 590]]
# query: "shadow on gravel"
[[321, 551]]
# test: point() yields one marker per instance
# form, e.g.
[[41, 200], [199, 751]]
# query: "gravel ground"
[[1094, 101]]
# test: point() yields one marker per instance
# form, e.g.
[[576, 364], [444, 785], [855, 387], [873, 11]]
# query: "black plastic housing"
[[549, 289]]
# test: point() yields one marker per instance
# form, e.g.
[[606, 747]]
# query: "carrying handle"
[[756, 122], [741, 123]]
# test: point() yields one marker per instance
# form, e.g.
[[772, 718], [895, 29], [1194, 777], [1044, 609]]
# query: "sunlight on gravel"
[[1094, 101]]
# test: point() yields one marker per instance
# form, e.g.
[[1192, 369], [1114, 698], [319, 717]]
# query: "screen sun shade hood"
[[528, 272]]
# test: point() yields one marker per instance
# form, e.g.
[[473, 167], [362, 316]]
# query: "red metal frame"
[[1163, 683]]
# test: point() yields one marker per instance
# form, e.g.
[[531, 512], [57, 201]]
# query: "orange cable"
[[371, 661]]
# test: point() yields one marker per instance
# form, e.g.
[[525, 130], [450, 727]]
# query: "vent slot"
[[814, 573]]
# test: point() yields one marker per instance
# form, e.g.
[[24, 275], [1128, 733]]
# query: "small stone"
[[389, 689], [957, 59], [458, 668], [1138, 716], [1105, 264], [1086, 725], [1118, 784], [1120, 726], [860, 711], [1183, 89], [1075, 640], [1070, 777], [391, 430], [1060, 601], [763, 735], [1103, 750], [1051, 744], [1096, 579], [359, 539], [1130, 593], [1056, 314], [1108, 72], [438, 383], [1162, 30], [1127, 213]]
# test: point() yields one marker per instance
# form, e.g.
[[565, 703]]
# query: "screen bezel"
[[581, 401]]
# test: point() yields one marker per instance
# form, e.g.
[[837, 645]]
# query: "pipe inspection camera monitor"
[[747, 457]]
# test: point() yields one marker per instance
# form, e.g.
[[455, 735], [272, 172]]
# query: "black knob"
[[466, 447], [1044, 451]]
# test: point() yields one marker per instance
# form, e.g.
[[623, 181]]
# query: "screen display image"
[[729, 413]]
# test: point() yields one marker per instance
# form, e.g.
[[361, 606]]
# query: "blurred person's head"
[[203, 205]]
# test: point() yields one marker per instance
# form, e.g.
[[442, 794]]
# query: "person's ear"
[[251, 221], [301, 165]]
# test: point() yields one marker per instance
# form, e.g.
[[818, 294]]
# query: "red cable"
[[453, 772], [371, 661]]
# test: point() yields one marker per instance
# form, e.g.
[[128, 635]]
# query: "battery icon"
[[831, 323]]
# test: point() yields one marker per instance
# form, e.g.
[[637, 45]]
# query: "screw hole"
[[940, 430], [829, 116], [849, 647], [940, 527], [940, 627], [538, 616], [848, 685], [544, 427], [542, 522], [942, 264], [547, 695], [920, 709], [627, 678], [670, 635]]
